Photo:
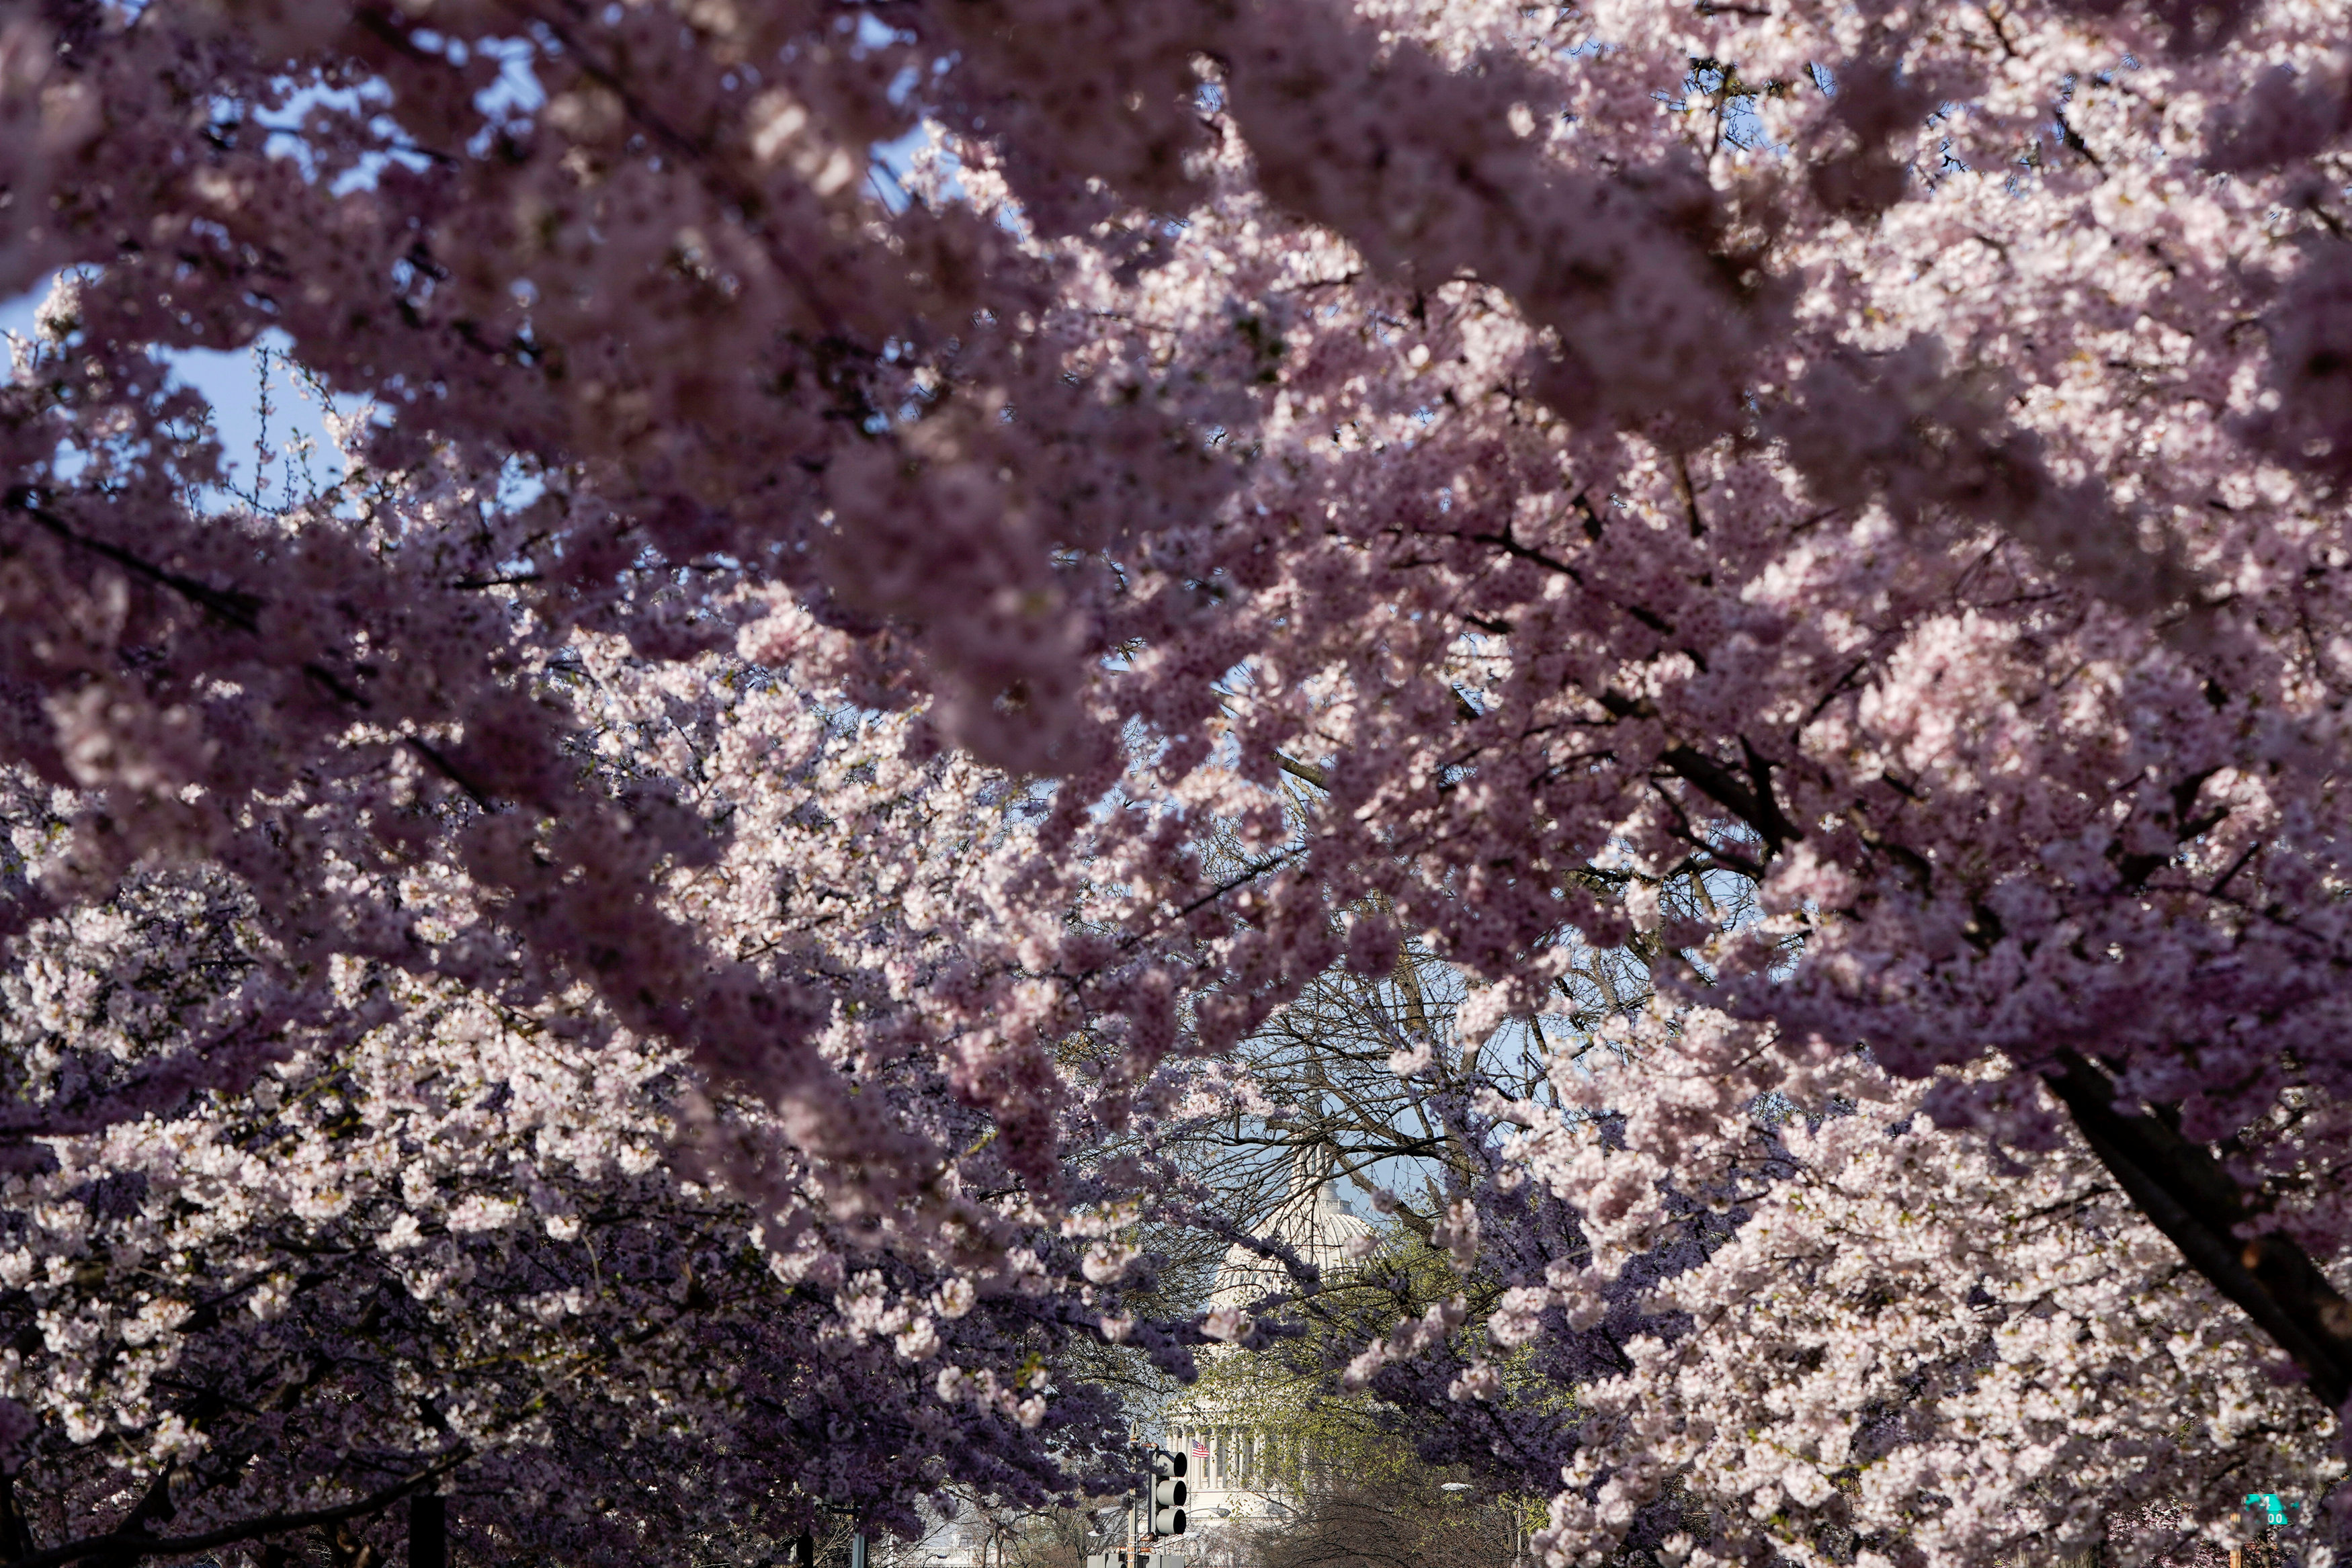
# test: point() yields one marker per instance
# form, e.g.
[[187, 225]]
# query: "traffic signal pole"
[[1155, 1508]]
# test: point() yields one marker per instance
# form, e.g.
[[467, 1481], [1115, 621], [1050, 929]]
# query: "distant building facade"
[[1235, 1464]]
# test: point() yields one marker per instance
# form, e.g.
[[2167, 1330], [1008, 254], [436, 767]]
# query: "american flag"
[[1201, 1449]]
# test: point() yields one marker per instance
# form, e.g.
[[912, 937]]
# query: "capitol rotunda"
[[1235, 1461]]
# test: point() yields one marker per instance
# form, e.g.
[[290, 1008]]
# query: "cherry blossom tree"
[[444, 1243], [461, 1262], [1887, 456], [1746, 1353]]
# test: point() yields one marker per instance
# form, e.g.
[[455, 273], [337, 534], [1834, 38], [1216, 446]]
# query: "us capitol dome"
[[1234, 1465]]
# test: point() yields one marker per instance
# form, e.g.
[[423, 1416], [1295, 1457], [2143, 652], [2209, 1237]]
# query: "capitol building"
[[1235, 1466]]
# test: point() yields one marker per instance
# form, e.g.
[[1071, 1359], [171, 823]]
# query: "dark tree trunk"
[[2186, 1193]]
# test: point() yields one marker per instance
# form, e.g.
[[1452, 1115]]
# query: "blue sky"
[[231, 383]]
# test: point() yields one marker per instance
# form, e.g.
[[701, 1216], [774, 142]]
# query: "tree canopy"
[[909, 577]]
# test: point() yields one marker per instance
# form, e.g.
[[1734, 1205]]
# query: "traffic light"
[[1165, 1507]]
